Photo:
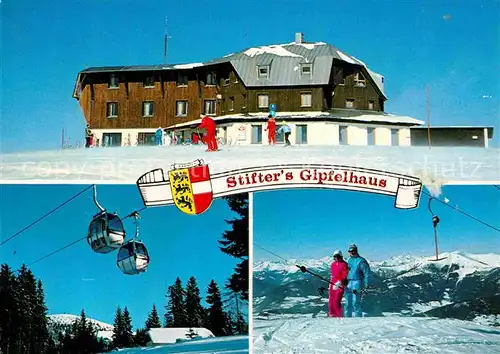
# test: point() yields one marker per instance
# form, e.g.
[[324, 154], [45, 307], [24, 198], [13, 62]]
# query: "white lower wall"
[[404, 137], [318, 133], [357, 135], [382, 136]]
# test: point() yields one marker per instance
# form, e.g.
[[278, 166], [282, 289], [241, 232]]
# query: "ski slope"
[[220, 345], [437, 166], [373, 336]]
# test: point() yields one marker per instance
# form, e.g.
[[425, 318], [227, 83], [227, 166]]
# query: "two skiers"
[[349, 279]]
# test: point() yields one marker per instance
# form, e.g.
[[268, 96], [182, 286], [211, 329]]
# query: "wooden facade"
[[149, 99]]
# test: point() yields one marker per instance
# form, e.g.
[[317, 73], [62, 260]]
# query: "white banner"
[[155, 188]]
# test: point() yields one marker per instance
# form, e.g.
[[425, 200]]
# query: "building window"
[[306, 99], [349, 103], [182, 79], [301, 137], [146, 139], [394, 137], [263, 71], [112, 109], [148, 108], [231, 103], [263, 101], [371, 105], [256, 134], [182, 108], [149, 82], [210, 107], [113, 81], [112, 139], [343, 135], [359, 80], [306, 69], [211, 79], [371, 135]]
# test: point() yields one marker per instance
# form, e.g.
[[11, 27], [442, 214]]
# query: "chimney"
[[299, 38]]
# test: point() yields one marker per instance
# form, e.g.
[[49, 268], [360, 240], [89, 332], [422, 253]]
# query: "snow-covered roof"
[[334, 115], [283, 60], [170, 335]]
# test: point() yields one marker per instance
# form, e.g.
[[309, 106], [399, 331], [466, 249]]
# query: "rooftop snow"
[[187, 66], [272, 49], [309, 46], [453, 165], [346, 57], [340, 115]]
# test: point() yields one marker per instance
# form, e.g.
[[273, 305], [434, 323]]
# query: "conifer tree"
[[194, 310], [10, 318], [217, 319], [153, 320], [235, 243], [128, 340], [175, 315], [118, 329]]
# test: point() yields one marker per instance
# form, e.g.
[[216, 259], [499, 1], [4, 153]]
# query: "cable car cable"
[[463, 212], [44, 216]]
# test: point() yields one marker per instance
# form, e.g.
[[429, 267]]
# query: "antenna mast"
[[167, 37], [428, 114]]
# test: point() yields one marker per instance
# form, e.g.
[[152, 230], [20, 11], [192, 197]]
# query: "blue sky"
[[412, 43], [180, 245], [311, 224]]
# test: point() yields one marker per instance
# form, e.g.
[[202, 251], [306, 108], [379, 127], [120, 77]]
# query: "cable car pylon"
[[435, 222]]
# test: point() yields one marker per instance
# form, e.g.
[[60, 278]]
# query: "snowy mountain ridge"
[[68, 319], [467, 262], [460, 285]]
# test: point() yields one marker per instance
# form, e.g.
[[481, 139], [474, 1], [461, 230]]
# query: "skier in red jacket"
[[338, 281], [271, 128], [211, 140]]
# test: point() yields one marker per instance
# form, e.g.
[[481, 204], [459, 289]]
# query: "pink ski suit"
[[338, 281]]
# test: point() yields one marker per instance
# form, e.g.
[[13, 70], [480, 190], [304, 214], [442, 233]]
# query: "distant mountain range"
[[462, 286]]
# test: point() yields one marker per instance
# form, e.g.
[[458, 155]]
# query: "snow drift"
[[126, 164], [373, 336]]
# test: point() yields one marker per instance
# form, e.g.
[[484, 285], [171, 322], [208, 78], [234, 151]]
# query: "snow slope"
[[373, 336], [219, 345], [126, 164]]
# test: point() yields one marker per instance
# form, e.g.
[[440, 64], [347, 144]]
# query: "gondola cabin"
[[133, 258], [106, 233]]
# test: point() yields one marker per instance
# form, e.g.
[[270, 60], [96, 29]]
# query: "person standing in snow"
[[271, 129], [168, 139], [159, 136], [338, 281], [88, 136], [195, 138], [357, 282], [211, 139], [285, 128]]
